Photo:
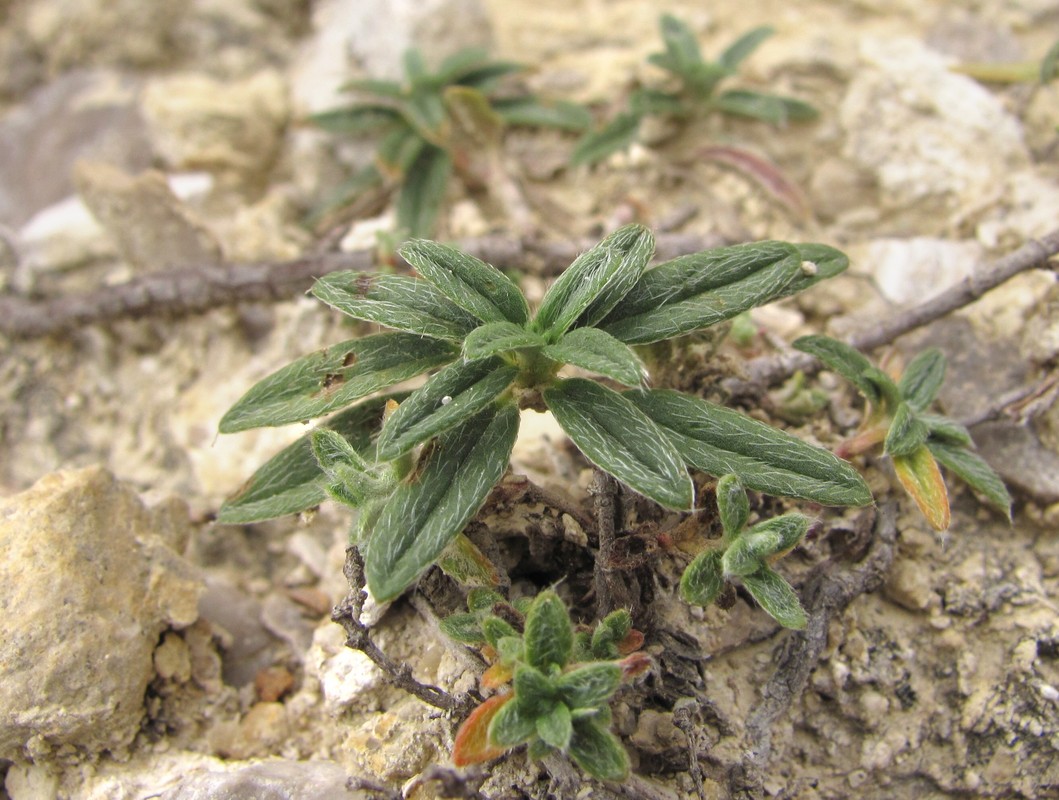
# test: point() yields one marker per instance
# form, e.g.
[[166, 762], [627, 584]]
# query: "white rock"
[[86, 589], [913, 270], [345, 675]]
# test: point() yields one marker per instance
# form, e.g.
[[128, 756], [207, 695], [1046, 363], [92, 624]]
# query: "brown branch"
[[347, 614], [769, 370], [195, 290], [682, 718], [612, 585], [828, 593]]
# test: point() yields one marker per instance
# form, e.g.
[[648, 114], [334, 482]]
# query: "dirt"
[[944, 683]]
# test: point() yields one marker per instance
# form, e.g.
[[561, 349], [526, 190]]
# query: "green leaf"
[[590, 685], [348, 477], [599, 352], [531, 112], [702, 289], [479, 288], [512, 726], [494, 628], [741, 48], [549, 636], [921, 478], [906, 434], [679, 40], [596, 280], [451, 481], [611, 630], [748, 553], [703, 580], [653, 102], [292, 481], [615, 136], [844, 360], [776, 597], [1050, 64], [975, 472], [466, 564], [597, 751], [395, 301], [771, 108], [382, 88], [421, 194], [556, 727], [483, 599], [533, 690], [720, 441], [943, 429], [819, 262], [398, 151], [494, 338], [617, 437], [333, 378], [733, 505], [356, 119], [465, 628], [453, 394], [922, 379]]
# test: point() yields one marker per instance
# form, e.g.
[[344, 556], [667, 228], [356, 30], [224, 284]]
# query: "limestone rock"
[[908, 271], [151, 227], [79, 554], [278, 780], [935, 140], [197, 122]]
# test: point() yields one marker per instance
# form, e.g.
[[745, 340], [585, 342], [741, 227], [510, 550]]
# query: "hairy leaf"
[[534, 690], [699, 290], [483, 599], [617, 436], [597, 751], [472, 744], [333, 378], [975, 472], [494, 628], [494, 338], [907, 432], [943, 429], [775, 536], [733, 505], [919, 474], [771, 108], [599, 352], [609, 633], [819, 262], [842, 359], [465, 628], [478, 288], [679, 40], [533, 113], [720, 441], [450, 483], [453, 394], [776, 597], [703, 580], [556, 727], [549, 637], [356, 119], [590, 685], [922, 379], [396, 301], [596, 280], [737, 51], [420, 197], [511, 726], [466, 564], [292, 481]]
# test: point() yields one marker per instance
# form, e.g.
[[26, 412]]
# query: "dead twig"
[[197, 289], [1021, 404], [828, 593], [347, 614], [461, 785], [682, 718], [612, 585], [1035, 254]]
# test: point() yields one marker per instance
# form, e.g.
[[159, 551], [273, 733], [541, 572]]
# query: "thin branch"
[[347, 614], [1025, 402], [769, 370], [197, 289], [828, 593], [612, 585], [682, 718]]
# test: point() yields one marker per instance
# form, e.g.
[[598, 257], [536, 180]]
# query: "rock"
[[248, 647], [936, 141], [346, 676], [84, 114], [197, 122], [908, 585], [909, 271], [151, 227], [277, 780], [99, 569]]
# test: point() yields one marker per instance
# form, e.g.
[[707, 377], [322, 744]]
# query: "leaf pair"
[[915, 440], [558, 702], [746, 554]]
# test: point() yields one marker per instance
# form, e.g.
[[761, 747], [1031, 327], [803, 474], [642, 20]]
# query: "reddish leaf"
[[472, 740], [767, 175], [632, 642], [635, 664], [919, 474], [497, 675]]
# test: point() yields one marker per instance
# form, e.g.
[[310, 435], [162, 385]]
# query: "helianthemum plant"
[[432, 463], [914, 439], [556, 683], [746, 554]]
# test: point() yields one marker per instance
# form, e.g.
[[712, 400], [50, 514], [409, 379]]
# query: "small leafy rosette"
[[746, 554]]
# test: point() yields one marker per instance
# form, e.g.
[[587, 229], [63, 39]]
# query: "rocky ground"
[[147, 652]]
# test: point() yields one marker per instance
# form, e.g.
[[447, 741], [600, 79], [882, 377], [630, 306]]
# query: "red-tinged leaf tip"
[[634, 665], [632, 642], [472, 740], [496, 676], [921, 477]]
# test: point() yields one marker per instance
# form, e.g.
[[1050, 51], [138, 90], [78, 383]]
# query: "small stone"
[[172, 659], [272, 683], [908, 585]]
